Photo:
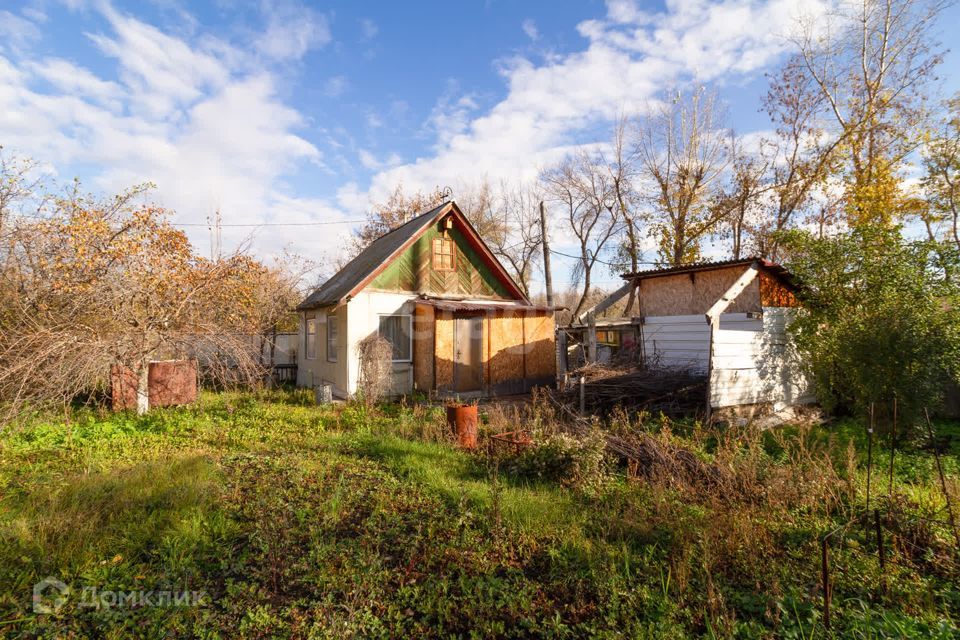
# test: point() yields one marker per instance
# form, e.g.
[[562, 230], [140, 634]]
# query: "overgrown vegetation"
[[881, 318], [297, 520]]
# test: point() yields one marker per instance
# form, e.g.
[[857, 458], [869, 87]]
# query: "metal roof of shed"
[[770, 267]]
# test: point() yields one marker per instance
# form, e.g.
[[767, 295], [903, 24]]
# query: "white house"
[[457, 321]]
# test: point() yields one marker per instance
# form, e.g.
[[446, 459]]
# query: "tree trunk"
[[143, 387]]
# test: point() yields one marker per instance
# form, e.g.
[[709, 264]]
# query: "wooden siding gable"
[[413, 270]]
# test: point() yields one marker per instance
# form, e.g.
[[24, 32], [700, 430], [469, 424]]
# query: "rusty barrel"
[[463, 420]]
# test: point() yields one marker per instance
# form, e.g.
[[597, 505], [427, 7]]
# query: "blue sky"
[[287, 111]]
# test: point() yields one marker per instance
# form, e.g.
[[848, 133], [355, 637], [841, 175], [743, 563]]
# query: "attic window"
[[444, 254]]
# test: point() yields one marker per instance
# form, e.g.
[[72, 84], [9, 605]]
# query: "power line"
[[268, 224], [234, 224], [609, 264]]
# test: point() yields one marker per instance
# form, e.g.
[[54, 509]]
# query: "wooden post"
[[591, 337], [547, 276], [561, 356], [583, 395], [893, 448], [879, 529], [825, 577]]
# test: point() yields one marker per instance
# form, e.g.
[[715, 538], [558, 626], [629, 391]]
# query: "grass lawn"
[[282, 519]]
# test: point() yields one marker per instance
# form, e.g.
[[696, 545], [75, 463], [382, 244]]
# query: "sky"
[[278, 113]]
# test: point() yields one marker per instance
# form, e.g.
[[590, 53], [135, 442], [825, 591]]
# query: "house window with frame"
[[444, 254], [398, 331], [333, 335], [310, 339]]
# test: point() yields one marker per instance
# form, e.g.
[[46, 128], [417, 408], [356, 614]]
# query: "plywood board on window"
[[506, 347], [443, 349], [541, 351], [424, 327]]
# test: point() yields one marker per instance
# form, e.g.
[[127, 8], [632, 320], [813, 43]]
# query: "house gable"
[[414, 269]]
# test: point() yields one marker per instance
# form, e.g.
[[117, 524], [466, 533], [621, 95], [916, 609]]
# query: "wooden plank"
[[607, 302], [735, 290]]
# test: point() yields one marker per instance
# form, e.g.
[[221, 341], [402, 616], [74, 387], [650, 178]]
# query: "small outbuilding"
[[725, 320], [457, 321]]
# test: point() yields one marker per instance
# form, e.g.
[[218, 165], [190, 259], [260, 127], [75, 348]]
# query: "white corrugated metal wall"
[[754, 360]]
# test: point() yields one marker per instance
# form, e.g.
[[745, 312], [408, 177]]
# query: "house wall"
[[677, 342], [318, 371], [755, 361], [518, 350], [694, 293], [365, 311]]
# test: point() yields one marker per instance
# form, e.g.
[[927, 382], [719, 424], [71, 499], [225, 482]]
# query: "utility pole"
[[546, 254]]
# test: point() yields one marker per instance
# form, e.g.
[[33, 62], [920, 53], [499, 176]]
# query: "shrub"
[[572, 462]]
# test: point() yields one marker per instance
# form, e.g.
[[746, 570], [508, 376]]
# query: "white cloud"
[[631, 56], [368, 29], [16, 31], [530, 29], [198, 119], [292, 30], [335, 86], [71, 79], [370, 161]]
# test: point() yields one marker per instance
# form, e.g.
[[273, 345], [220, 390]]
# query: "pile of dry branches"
[[645, 455], [672, 392]]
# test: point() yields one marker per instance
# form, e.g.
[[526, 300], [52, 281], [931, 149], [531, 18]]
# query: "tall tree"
[[801, 155], [684, 152], [518, 214], [582, 187], [97, 283], [870, 62], [942, 176], [621, 164], [740, 202], [383, 217]]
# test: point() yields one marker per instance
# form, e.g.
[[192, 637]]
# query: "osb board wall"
[[443, 349], [506, 348], [423, 345], [517, 347], [694, 293], [774, 294], [413, 270], [541, 352]]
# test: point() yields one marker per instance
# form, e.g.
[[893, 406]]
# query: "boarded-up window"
[[397, 331], [333, 331], [310, 348], [444, 254]]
